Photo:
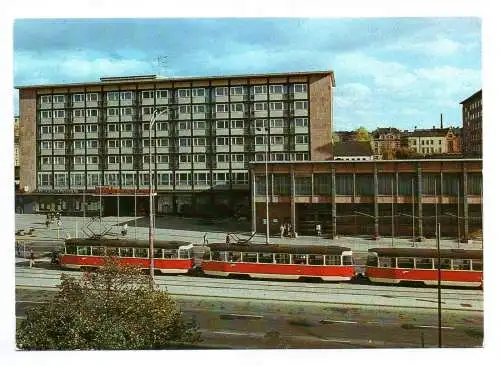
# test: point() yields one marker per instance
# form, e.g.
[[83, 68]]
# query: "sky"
[[389, 72]]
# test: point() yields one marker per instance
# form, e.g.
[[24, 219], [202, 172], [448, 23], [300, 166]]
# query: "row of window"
[[129, 178], [165, 159], [183, 142], [181, 125], [426, 263], [427, 142], [128, 252], [280, 258], [185, 109], [181, 93], [129, 159]]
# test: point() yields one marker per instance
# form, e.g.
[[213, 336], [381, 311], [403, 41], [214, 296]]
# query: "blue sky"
[[400, 72]]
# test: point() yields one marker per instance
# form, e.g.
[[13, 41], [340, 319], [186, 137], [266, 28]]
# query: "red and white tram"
[[169, 256], [459, 267], [293, 262]]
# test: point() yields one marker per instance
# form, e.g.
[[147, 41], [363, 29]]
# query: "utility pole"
[[440, 333]]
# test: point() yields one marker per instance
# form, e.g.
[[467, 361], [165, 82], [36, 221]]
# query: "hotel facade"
[[87, 145]]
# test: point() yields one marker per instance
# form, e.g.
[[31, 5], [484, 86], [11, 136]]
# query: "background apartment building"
[[433, 141], [472, 118], [385, 142], [83, 138]]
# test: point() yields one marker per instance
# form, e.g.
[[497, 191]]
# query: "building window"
[[46, 114], [78, 97], [221, 91], [240, 178], [301, 105], [92, 97], [92, 159], [79, 144], [201, 179], [301, 156], [77, 179], [45, 179], [113, 144], [162, 126], [127, 143], [238, 158], [59, 129], [126, 127], [147, 94], [60, 179], [164, 179], [59, 113], [46, 129], [300, 122], [45, 160], [260, 106], [300, 88], [237, 140], [78, 112], [184, 125], [302, 139], [221, 108], [260, 123], [59, 160], [199, 108], [184, 158], [199, 125], [113, 159], [79, 160], [303, 186], [199, 158], [127, 111], [91, 128], [113, 96], [113, 111], [162, 94], [185, 142], [145, 159], [112, 179], [126, 95], [223, 124], [183, 178], [260, 140], [127, 159], [185, 109], [112, 127], [184, 93], [199, 141], [276, 89], [59, 145], [276, 123], [46, 145], [162, 159], [276, 140], [92, 112], [147, 110], [277, 157], [198, 92], [46, 99], [128, 179], [237, 90], [237, 123], [281, 184], [58, 98], [237, 107], [223, 158], [222, 141], [260, 89]]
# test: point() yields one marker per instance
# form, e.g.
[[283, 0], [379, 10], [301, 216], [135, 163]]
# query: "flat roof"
[[363, 161], [154, 78]]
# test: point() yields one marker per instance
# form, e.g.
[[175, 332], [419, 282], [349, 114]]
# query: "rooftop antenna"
[[161, 63]]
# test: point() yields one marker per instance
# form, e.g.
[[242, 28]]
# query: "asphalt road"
[[249, 325]]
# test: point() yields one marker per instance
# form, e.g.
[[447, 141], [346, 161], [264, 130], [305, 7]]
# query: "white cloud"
[[438, 46]]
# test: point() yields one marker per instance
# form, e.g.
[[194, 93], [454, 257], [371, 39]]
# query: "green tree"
[[335, 138], [406, 153], [362, 134], [114, 308]]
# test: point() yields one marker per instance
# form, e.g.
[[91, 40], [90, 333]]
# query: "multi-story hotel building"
[[472, 118], [79, 140]]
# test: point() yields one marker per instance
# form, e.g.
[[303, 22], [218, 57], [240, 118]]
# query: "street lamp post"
[[265, 129], [156, 113]]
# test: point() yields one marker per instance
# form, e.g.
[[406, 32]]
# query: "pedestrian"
[[228, 239], [58, 223], [47, 223], [124, 229], [288, 230], [318, 229], [205, 240], [282, 230], [32, 258]]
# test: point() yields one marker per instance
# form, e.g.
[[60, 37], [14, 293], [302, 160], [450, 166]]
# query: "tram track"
[[218, 284]]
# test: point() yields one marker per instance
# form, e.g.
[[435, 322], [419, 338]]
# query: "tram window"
[[98, 251], [332, 260], [265, 258], [461, 264], [126, 252], [112, 252], [70, 249], [158, 253], [184, 253], [169, 254], [299, 259], [234, 256], [215, 256], [423, 263], [406, 262], [250, 257], [385, 262], [83, 250], [477, 265], [445, 263], [372, 260], [141, 252], [282, 258], [347, 260], [316, 260]]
